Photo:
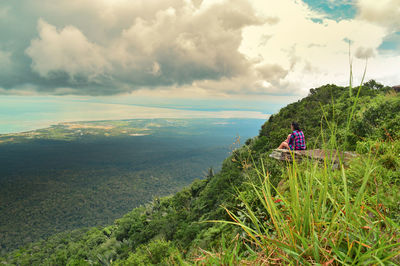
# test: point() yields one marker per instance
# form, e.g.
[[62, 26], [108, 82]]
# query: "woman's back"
[[297, 140]]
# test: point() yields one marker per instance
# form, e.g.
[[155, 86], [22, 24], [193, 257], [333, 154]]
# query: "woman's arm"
[[288, 138]]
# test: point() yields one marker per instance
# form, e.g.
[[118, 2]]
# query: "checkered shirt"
[[297, 140]]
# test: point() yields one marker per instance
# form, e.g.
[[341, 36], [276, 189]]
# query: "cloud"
[[272, 72], [363, 53], [177, 45], [5, 60], [211, 47], [312, 53], [20, 91], [4, 12], [65, 51], [186, 44], [383, 12]]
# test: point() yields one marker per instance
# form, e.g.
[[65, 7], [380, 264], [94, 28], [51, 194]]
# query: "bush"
[[156, 252]]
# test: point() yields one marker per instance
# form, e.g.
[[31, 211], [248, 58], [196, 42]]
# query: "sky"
[[254, 56]]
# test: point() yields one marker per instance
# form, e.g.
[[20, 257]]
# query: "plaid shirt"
[[297, 140]]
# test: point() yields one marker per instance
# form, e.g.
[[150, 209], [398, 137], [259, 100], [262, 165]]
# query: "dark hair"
[[296, 126]]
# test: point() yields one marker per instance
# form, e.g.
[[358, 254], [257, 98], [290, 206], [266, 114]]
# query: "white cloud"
[[187, 44], [312, 53], [177, 45], [363, 53], [66, 50], [382, 12], [211, 47]]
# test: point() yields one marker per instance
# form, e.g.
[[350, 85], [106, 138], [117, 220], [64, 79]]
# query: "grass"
[[324, 216]]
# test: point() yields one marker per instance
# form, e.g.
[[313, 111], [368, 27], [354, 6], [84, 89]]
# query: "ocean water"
[[23, 113]]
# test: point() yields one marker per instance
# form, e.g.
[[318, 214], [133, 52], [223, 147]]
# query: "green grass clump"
[[324, 216], [319, 215]]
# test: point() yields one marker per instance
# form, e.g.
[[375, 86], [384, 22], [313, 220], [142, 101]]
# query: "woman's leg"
[[284, 145]]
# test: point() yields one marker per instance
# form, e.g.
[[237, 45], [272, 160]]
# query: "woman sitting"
[[294, 141]]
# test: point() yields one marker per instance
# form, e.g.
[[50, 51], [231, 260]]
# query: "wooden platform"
[[332, 156]]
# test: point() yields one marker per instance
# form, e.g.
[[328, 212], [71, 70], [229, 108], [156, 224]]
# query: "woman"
[[296, 140]]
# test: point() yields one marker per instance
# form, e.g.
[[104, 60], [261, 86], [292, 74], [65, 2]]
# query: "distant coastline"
[[18, 115], [45, 126], [70, 131]]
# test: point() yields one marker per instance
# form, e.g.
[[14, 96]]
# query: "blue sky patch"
[[391, 43], [317, 20], [337, 10]]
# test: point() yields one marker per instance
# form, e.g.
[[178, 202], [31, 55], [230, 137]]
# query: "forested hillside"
[[90, 173], [258, 210]]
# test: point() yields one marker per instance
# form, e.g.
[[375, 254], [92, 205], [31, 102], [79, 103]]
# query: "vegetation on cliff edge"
[[257, 210]]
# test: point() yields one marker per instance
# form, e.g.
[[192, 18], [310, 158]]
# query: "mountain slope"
[[176, 229]]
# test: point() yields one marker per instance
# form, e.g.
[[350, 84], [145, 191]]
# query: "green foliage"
[[157, 252], [375, 116], [324, 215], [298, 213], [50, 187], [229, 252]]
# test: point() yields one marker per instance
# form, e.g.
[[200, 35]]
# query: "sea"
[[25, 113]]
